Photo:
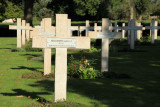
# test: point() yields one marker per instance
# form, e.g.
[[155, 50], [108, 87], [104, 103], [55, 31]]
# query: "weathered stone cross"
[[45, 30], [153, 29], [62, 41], [21, 26], [132, 28], [105, 35]]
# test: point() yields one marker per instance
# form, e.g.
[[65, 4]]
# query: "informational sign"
[[46, 34], [61, 43], [105, 35], [18, 27]]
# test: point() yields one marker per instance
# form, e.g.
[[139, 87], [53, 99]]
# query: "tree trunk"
[[131, 13], [28, 11], [140, 17]]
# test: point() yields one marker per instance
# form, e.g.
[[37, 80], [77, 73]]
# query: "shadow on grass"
[[31, 55], [12, 44], [32, 95], [28, 68], [5, 48], [141, 91], [112, 92]]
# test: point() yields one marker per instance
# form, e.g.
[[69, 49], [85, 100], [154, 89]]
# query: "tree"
[[84, 7], [115, 8], [41, 9], [2, 9], [28, 10], [142, 7], [12, 11]]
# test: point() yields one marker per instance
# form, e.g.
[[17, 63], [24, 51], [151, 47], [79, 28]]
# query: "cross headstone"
[[153, 29], [19, 29], [61, 42], [138, 33], [132, 29], [28, 31], [45, 30], [105, 35], [23, 33], [123, 31]]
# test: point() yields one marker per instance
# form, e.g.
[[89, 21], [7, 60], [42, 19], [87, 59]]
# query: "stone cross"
[[82, 28], [45, 30], [138, 33], [28, 31], [20, 29], [132, 29], [86, 28], [105, 35], [153, 29], [123, 31], [62, 41], [23, 33]]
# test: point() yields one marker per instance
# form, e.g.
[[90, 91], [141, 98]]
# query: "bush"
[[81, 69], [28, 47], [144, 40]]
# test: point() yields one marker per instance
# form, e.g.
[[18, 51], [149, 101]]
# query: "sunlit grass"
[[142, 90]]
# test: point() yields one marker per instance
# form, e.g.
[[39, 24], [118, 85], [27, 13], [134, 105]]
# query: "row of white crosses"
[[63, 40], [23, 31], [136, 35], [59, 37]]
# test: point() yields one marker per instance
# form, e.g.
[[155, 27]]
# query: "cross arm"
[[95, 35], [132, 28], [13, 27]]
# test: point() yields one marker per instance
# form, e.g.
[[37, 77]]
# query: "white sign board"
[[46, 34], [105, 35], [18, 27], [61, 43]]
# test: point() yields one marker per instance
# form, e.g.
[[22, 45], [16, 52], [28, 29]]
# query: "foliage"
[[2, 9], [118, 8], [9, 10], [12, 11], [87, 6], [41, 9], [142, 7], [28, 47], [81, 69]]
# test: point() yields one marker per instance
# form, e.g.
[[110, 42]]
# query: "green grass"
[[143, 90]]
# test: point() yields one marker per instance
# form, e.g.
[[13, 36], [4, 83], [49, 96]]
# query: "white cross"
[[105, 35], [21, 27], [153, 29], [61, 42], [133, 28]]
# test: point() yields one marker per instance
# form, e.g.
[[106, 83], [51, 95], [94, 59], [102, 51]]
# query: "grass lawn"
[[142, 90]]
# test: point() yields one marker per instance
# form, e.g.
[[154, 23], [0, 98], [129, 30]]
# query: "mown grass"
[[142, 90]]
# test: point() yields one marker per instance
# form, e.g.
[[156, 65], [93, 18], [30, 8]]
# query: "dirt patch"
[[37, 75]]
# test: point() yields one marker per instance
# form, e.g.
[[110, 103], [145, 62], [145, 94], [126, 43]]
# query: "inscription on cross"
[[61, 42], [105, 35]]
